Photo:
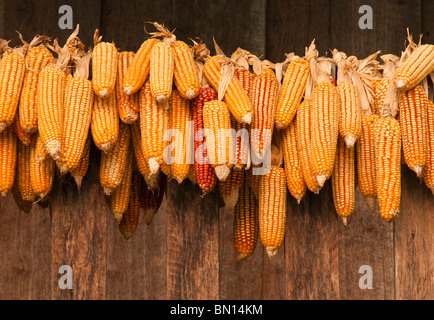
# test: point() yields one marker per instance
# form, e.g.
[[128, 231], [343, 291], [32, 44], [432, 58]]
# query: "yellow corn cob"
[[154, 122], [245, 77], [253, 182], [128, 105], [130, 218], [181, 122], [81, 170], [304, 143], [22, 135], [413, 122], [325, 130], [41, 173], [291, 92], [229, 188], [387, 135], [120, 197], [114, 162], [219, 140], [40, 150], [138, 71], [105, 122], [161, 71], [77, 117], [8, 160], [418, 66], [12, 70], [24, 184], [185, 73], [380, 90], [246, 222], [365, 153], [22, 204], [36, 59], [292, 165], [264, 99], [350, 115], [428, 173], [235, 97], [343, 181], [272, 209], [104, 68]]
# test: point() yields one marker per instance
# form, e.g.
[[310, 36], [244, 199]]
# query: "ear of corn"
[[22, 135], [41, 173], [272, 209], [229, 188], [40, 150], [37, 58], [428, 173], [253, 181], [204, 171], [418, 66], [151, 199], [161, 70], [81, 170], [12, 70], [304, 145], [138, 71], [246, 222], [245, 77], [350, 114], [23, 169], [380, 90], [185, 73], [104, 68], [130, 219], [292, 165], [387, 135], [291, 92], [235, 97], [105, 122], [325, 130], [114, 162], [365, 152], [128, 105], [413, 122], [22, 204], [8, 159], [219, 138]]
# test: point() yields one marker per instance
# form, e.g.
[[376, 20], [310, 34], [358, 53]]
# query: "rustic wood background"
[[187, 252]]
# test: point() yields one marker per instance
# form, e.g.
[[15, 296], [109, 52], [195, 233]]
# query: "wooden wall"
[[187, 252]]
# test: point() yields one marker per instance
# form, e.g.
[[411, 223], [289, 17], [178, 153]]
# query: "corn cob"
[[41, 173], [151, 199], [12, 71], [413, 122], [253, 182], [272, 209], [138, 71], [105, 122], [291, 92], [246, 222], [37, 58], [114, 162], [350, 114], [8, 160], [304, 143], [229, 188], [154, 122], [365, 153], [81, 170], [205, 174], [22, 204], [128, 105], [104, 66], [161, 71], [387, 135], [77, 115], [245, 77], [428, 173], [185, 73], [418, 66], [180, 121], [292, 165], [22, 135], [235, 97], [130, 218], [23, 168], [380, 90], [343, 181], [40, 150], [219, 138]]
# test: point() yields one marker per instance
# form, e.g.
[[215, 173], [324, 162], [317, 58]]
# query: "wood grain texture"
[[79, 234], [427, 22], [25, 246], [192, 243]]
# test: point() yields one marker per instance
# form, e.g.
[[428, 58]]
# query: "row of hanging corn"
[[317, 124]]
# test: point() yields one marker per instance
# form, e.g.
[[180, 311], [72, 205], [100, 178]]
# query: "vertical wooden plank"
[[292, 25], [427, 12], [192, 243], [274, 276], [414, 246], [25, 244], [79, 234]]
